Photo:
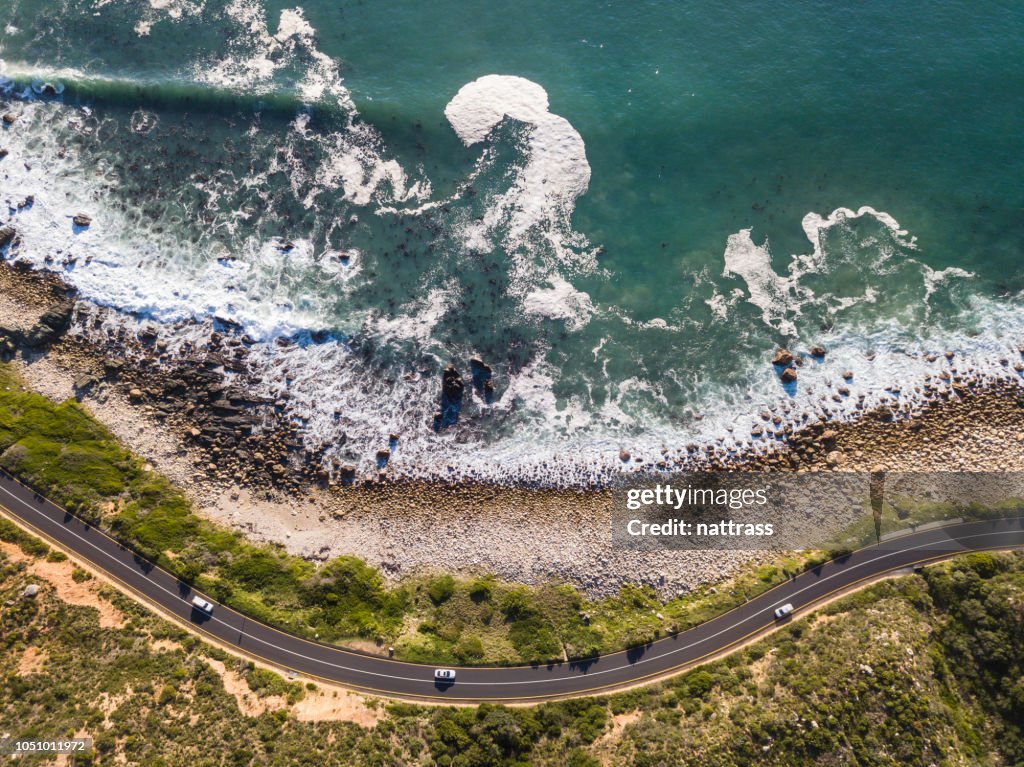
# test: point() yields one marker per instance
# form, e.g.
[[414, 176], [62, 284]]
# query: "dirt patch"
[[165, 645], [368, 647], [13, 552], [31, 662], [324, 704], [86, 594], [65, 760], [235, 685], [619, 723], [108, 703], [337, 706]]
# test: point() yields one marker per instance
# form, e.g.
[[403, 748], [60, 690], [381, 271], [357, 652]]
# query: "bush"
[[167, 695], [257, 569], [481, 589], [353, 599], [441, 589], [29, 544], [517, 604], [535, 641], [469, 649]]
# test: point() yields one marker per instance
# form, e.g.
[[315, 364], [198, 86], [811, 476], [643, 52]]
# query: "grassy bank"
[[62, 451], [922, 670]]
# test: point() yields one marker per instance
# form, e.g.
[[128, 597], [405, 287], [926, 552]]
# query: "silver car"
[[782, 612], [201, 604]]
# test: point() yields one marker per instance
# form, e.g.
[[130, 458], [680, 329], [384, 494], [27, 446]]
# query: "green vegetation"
[[29, 544], [900, 513], [60, 450], [923, 670]]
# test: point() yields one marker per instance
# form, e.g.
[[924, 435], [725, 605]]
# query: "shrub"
[[481, 589], [441, 589], [469, 649], [167, 695]]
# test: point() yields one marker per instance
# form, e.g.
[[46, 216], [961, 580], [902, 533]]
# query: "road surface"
[[382, 676]]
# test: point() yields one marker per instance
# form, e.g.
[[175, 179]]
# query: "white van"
[[782, 612], [201, 604]]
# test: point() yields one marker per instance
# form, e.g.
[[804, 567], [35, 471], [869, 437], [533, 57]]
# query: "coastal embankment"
[[241, 459]]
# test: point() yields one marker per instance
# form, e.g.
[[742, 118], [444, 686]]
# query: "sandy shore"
[[518, 534]]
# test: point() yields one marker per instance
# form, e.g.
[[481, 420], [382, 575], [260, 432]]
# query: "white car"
[[444, 674], [201, 604], [782, 612]]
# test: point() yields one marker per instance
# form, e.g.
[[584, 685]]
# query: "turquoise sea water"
[[310, 171]]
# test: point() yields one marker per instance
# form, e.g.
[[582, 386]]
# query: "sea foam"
[[782, 298], [534, 214]]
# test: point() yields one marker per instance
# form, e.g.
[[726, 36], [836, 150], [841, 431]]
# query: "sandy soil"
[[31, 661], [58, 574], [323, 704], [335, 705], [236, 686]]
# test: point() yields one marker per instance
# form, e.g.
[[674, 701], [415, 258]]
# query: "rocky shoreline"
[[242, 459]]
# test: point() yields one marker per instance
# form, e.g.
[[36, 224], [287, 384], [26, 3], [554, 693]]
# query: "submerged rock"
[[452, 390], [452, 385], [483, 378], [82, 220]]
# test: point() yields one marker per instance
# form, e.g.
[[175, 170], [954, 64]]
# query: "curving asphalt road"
[[383, 676]]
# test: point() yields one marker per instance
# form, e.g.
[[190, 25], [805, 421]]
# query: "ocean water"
[[622, 208]]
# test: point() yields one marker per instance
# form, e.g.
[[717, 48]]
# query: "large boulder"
[[452, 385], [7, 235], [452, 390], [50, 326], [483, 381], [783, 358]]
